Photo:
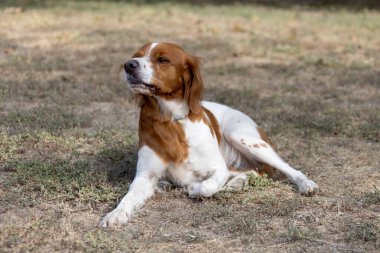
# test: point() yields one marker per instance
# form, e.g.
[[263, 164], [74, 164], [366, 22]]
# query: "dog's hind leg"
[[249, 140]]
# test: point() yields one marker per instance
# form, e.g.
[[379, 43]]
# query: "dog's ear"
[[193, 85]]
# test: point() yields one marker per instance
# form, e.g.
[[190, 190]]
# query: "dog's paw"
[[236, 183], [199, 190], [114, 218], [195, 190], [202, 189], [308, 187]]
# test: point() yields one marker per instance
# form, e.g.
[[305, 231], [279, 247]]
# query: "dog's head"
[[165, 70]]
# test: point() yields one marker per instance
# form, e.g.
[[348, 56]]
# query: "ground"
[[309, 77]]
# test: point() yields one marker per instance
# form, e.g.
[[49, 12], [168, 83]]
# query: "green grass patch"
[[79, 180], [243, 226], [370, 128], [51, 119], [369, 198], [296, 233], [114, 153], [258, 183], [366, 231], [94, 166]]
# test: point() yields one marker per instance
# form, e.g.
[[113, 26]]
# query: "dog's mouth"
[[139, 86]]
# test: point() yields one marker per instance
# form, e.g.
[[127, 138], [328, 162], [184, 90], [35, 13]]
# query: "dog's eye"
[[162, 60]]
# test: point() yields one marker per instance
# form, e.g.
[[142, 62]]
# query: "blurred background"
[[306, 71]]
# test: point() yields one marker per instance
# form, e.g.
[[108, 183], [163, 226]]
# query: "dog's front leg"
[[150, 168], [212, 185]]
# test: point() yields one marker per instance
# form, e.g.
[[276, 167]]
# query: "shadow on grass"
[[121, 162], [52, 119], [89, 178]]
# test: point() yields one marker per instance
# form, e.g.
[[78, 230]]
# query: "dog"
[[202, 146]]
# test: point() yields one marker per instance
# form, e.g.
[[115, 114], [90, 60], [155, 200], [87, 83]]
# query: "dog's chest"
[[204, 156]]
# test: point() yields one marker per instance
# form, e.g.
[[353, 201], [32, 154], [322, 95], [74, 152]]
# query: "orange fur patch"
[[264, 168], [167, 138], [212, 124], [179, 78], [265, 138]]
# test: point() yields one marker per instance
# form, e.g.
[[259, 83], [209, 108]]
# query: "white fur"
[[146, 70], [204, 160], [150, 167], [178, 109], [153, 45], [237, 128], [205, 171]]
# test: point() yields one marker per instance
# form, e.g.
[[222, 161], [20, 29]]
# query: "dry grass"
[[311, 78]]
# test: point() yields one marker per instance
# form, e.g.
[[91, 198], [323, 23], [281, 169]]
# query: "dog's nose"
[[131, 65]]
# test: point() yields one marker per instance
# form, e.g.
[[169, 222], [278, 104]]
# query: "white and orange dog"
[[203, 146]]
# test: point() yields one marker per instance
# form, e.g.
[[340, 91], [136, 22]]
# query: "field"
[[309, 77]]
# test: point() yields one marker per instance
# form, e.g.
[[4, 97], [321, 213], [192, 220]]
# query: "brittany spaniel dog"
[[202, 146]]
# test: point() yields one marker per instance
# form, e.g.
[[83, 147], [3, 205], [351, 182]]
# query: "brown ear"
[[193, 85]]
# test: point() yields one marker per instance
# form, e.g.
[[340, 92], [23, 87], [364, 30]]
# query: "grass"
[[369, 198], [366, 231], [258, 183], [48, 119], [62, 180], [309, 77], [295, 233]]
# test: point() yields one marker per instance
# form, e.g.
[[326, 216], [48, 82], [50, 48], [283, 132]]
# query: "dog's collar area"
[[179, 118]]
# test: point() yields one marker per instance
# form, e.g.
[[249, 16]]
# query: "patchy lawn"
[[310, 77]]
